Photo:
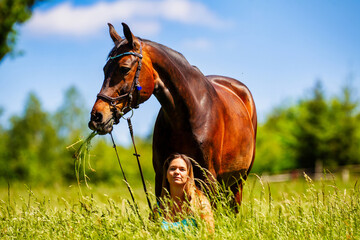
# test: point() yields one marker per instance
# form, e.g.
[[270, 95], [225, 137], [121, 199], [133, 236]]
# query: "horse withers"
[[209, 118]]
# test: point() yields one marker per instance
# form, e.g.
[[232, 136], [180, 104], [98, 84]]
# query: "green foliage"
[[35, 148], [314, 131], [104, 160], [311, 129], [31, 144], [344, 145], [69, 119], [12, 12], [273, 153]]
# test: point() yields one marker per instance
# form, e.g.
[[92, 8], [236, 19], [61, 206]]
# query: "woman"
[[180, 199]]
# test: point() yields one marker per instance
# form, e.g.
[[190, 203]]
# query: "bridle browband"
[[135, 86]]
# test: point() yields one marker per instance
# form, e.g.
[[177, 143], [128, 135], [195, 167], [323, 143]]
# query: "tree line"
[[316, 130], [34, 146]]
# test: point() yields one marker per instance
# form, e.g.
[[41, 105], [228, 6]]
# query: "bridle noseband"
[[135, 86]]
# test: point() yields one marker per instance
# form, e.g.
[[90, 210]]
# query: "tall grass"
[[301, 209]]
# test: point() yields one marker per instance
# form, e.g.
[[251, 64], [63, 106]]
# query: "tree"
[[326, 131], [310, 130], [316, 132], [32, 145], [343, 142], [71, 117], [12, 12], [70, 120], [273, 151]]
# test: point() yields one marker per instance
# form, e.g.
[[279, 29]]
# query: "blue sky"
[[277, 48]]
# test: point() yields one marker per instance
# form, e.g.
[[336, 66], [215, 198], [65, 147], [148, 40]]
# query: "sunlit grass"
[[301, 209]]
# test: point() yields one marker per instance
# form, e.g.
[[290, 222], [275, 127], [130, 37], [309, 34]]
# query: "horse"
[[212, 119]]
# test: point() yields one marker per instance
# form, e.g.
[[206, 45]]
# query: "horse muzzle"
[[98, 124]]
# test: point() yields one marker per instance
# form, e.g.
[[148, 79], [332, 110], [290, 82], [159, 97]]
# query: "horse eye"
[[124, 70]]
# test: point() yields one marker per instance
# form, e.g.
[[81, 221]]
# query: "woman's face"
[[177, 173]]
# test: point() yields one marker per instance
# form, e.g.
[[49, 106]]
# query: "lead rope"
[[138, 161]]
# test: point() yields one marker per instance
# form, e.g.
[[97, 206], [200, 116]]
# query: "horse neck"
[[180, 85]]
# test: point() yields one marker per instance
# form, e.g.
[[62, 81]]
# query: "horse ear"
[[132, 40], [113, 34]]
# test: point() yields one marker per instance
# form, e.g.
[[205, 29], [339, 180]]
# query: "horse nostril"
[[97, 117]]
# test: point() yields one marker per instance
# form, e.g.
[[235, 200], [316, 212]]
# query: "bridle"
[[135, 86]]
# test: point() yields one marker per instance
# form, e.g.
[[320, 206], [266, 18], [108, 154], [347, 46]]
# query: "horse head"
[[129, 81]]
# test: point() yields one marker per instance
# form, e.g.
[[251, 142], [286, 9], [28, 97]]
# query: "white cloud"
[[146, 16], [189, 12], [197, 43]]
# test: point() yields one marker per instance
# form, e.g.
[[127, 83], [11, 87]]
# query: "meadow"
[[299, 209]]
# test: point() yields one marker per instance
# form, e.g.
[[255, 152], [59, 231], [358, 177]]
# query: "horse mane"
[[168, 51], [173, 54]]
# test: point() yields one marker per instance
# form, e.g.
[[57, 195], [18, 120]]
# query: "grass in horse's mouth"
[[107, 126], [82, 157]]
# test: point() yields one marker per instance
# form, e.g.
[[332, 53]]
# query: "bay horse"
[[212, 119]]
